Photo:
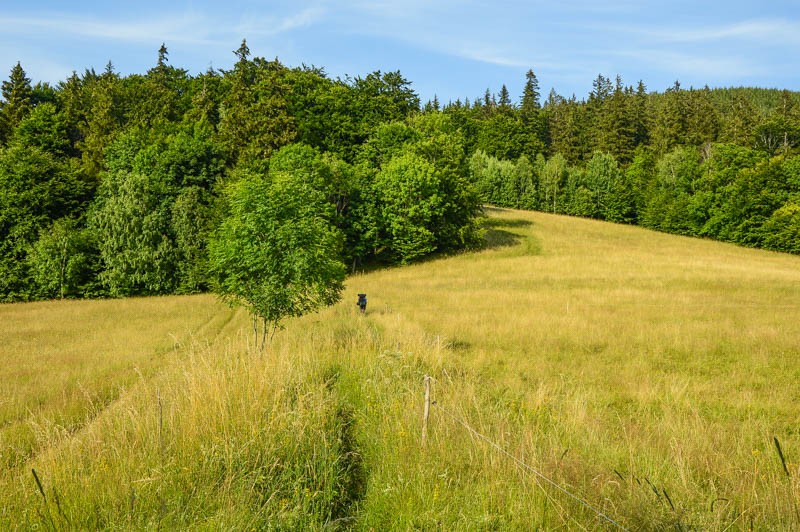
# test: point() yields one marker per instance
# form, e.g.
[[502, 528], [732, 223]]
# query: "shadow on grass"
[[503, 222], [499, 238], [498, 233]]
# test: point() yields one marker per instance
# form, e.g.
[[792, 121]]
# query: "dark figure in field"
[[362, 302]]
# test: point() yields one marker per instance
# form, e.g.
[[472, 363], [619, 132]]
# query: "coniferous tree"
[[158, 97], [532, 116], [668, 127], [598, 110], [619, 121], [71, 99], [254, 118], [504, 100], [702, 121], [639, 115], [17, 101], [740, 121], [204, 108], [566, 127], [489, 103], [104, 119], [530, 94]]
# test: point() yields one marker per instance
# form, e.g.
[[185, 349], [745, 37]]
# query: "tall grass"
[[650, 375], [64, 361]]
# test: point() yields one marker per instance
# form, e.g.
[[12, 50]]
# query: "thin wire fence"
[[538, 475]]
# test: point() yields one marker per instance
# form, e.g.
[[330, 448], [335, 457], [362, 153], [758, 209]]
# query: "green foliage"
[[414, 197], [275, 252], [45, 128], [668, 206], [191, 223], [17, 101], [502, 136], [155, 146], [615, 192], [346, 191], [153, 212], [609, 188], [138, 254], [553, 180], [254, 120], [436, 157], [409, 196], [103, 120], [388, 141], [782, 229], [498, 182], [64, 260], [35, 188]]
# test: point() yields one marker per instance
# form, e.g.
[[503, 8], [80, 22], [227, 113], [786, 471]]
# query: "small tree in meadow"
[[276, 252]]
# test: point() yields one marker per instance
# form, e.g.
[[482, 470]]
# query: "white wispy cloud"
[[763, 31], [183, 28], [772, 31], [272, 25], [710, 67], [180, 28], [425, 25]]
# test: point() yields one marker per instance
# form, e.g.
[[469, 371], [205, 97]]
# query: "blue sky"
[[454, 49]]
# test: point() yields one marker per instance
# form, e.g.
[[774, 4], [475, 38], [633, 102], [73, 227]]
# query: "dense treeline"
[[720, 164], [115, 185]]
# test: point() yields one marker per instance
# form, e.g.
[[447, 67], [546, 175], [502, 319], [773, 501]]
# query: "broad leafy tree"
[[35, 189], [64, 261], [274, 252]]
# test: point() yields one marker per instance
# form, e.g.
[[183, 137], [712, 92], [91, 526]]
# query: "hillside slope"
[[648, 376]]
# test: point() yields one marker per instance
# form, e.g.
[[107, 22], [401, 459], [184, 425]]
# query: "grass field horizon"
[[650, 375]]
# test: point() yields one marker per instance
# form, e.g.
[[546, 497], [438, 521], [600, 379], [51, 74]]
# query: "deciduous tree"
[[275, 253]]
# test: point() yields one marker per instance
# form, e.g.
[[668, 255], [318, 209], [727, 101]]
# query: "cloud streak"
[[711, 67], [774, 31], [273, 26], [777, 31], [184, 28]]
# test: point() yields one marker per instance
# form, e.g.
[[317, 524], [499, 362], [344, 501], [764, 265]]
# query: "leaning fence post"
[[427, 410]]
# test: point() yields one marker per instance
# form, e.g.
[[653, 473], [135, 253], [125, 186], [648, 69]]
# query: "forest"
[[116, 186]]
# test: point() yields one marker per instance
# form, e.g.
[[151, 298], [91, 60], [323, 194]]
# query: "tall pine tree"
[[17, 101]]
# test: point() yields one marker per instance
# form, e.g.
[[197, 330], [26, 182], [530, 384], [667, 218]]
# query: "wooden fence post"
[[427, 409]]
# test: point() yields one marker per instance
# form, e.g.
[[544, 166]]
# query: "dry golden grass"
[[670, 359], [64, 361], [648, 374]]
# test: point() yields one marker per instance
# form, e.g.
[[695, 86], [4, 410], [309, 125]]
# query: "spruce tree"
[[17, 101], [530, 94], [103, 120], [532, 116], [620, 124], [639, 114], [505, 99]]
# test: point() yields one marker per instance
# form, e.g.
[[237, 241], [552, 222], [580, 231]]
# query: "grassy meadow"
[[648, 375]]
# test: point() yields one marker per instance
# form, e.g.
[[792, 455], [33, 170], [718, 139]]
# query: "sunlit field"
[[584, 376], [63, 362]]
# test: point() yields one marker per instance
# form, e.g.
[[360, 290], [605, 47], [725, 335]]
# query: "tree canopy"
[[275, 252], [116, 185]]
